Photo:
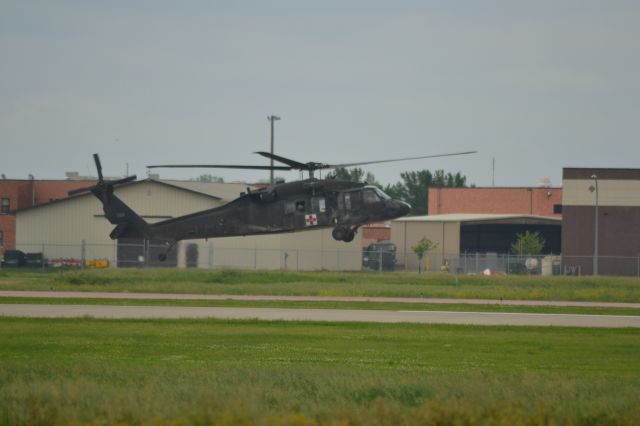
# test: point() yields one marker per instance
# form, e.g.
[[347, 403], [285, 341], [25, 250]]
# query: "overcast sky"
[[539, 85]]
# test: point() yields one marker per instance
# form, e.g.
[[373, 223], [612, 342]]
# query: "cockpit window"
[[370, 196], [381, 194]]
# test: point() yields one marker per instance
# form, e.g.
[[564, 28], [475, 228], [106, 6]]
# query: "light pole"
[[595, 237], [272, 118]]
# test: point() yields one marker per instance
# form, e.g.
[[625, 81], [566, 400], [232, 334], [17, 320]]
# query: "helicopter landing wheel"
[[339, 233], [349, 236]]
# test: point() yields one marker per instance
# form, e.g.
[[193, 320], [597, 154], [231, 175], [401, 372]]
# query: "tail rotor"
[[96, 159], [102, 188], [128, 223]]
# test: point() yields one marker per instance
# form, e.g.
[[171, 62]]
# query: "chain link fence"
[[145, 254]]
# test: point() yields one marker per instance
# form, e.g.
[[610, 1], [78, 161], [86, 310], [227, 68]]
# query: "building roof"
[[473, 188], [221, 191], [224, 192], [469, 218], [601, 173]]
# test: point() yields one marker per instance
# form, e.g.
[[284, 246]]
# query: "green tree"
[[355, 174], [414, 188], [528, 243], [209, 178], [397, 191], [421, 248]]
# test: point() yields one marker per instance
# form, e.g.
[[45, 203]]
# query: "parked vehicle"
[[34, 260], [380, 255], [13, 259]]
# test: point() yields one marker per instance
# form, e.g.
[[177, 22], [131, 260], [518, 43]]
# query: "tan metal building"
[[456, 234], [75, 228]]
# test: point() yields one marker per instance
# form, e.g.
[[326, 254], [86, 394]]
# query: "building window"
[[4, 205], [1, 239]]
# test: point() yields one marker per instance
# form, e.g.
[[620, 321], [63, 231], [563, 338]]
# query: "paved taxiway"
[[341, 315], [186, 296]]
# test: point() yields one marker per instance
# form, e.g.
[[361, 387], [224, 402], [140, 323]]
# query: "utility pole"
[[595, 236], [272, 118], [493, 172]]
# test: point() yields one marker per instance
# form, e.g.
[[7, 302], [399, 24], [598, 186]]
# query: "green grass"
[[398, 284], [456, 307], [89, 371]]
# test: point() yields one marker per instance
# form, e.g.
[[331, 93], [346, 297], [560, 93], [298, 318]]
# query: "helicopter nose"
[[405, 208], [398, 208]]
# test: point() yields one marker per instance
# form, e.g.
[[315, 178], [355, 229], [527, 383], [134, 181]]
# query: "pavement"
[[330, 315], [426, 300]]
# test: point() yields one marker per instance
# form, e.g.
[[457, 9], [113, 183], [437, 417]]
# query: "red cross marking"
[[311, 219]]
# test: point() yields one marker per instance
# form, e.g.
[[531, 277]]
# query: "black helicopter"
[[287, 207]]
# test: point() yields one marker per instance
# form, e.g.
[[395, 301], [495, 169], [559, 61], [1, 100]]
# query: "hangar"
[[75, 228], [458, 235]]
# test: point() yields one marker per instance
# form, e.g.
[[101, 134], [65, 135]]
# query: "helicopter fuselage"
[[288, 207]]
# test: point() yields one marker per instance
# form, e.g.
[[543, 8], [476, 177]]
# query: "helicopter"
[[284, 207]]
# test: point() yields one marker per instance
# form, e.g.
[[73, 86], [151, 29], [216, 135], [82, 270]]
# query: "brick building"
[[601, 221], [375, 232], [18, 194], [535, 201]]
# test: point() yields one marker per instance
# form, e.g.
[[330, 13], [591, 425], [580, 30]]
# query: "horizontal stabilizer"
[[126, 230]]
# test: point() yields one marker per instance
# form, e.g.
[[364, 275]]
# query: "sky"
[[536, 85]]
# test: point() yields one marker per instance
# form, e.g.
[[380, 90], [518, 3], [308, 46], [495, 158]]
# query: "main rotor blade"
[[79, 190], [362, 163], [123, 180], [292, 163], [96, 159], [219, 166]]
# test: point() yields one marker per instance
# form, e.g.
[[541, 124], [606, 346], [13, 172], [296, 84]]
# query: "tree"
[[355, 174], [421, 248], [397, 191], [528, 243], [414, 188], [209, 178]]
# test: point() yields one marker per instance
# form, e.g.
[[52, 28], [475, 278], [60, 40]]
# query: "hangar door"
[[497, 237]]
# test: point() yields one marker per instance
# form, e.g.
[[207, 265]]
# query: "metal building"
[[463, 234]]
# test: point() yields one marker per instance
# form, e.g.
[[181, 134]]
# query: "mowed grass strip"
[[61, 371], [397, 284], [328, 305]]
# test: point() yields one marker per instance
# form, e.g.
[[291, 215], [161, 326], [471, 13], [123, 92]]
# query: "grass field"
[[610, 289], [200, 372], [89, 371]]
